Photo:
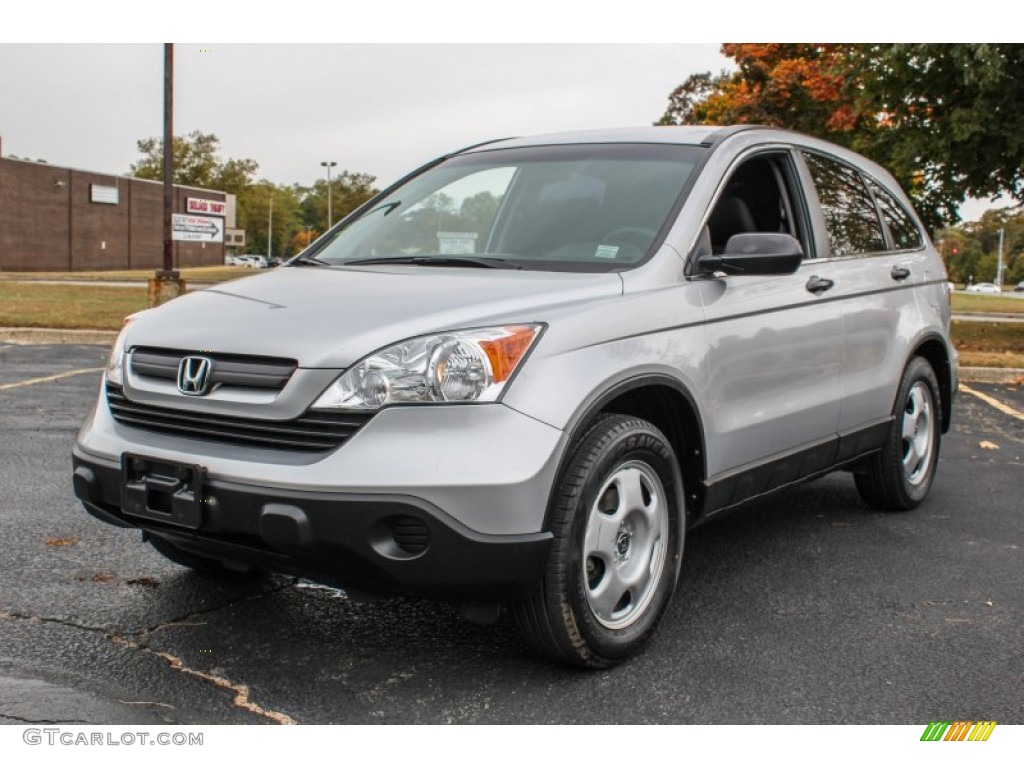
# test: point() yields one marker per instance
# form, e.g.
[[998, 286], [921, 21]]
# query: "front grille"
[[314, 431], [233, 370]]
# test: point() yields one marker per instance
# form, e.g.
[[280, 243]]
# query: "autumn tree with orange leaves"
[[946, 120]]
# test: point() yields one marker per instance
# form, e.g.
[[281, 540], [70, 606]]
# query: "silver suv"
[[522, 373]]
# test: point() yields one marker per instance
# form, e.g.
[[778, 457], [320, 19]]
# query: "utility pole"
[[168, 156], [167, 284], [999, 262]]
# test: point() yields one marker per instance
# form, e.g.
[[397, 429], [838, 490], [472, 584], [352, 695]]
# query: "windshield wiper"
[[484, 262], [298, 261], [387, 208]]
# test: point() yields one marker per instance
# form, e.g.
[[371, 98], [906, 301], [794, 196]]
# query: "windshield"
[[594, 207]]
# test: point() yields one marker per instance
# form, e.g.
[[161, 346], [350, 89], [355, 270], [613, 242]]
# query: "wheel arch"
[[933, 349], [668, 405]]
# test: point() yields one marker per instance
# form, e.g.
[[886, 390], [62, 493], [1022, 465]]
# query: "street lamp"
[[270, 230], [328, 164]]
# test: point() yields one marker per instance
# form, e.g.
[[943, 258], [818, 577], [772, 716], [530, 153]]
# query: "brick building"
[[56, 219]]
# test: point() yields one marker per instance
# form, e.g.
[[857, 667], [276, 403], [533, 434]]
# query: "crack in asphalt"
[[181, 621], [241, 691], [5, 716], [50, 620]]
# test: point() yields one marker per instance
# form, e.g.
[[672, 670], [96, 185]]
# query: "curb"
[[56, 336], [992, 375], [1007, 315]]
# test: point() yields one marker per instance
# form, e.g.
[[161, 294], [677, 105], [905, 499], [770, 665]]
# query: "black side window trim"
[[791, 173]]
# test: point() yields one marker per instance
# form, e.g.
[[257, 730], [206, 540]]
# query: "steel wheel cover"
[[624, 545]]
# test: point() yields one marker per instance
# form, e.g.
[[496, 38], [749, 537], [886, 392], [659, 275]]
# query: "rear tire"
[[899, 477], [207, 567], [619, 522]]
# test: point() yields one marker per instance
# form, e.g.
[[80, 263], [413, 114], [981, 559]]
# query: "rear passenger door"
[[875, 258]]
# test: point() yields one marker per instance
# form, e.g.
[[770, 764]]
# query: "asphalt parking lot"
[[807, 609]]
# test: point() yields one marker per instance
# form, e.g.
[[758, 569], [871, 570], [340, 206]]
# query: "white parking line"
[[44, 379], [997, 404]]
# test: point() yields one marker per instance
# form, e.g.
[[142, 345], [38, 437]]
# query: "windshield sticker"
[[606, 252]]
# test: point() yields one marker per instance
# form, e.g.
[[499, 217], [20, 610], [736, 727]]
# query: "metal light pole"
[[270, 231], [999, 262], [328, 164]]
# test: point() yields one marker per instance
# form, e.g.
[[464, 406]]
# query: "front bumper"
[[385, 544], [489, 467], [473, 481]]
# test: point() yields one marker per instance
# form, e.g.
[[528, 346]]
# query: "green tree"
[[477, 212], [971, 250], [961, 252], [196, 163], [985, 232], [944, 119], [349, 190], [951, 114], [254, 216]]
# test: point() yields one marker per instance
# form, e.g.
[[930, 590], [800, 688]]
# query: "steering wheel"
[[638, 236]]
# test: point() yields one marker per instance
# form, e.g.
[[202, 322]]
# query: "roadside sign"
[[200, 206], [206, 229]]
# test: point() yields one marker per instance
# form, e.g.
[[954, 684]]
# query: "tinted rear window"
[[850, 215]]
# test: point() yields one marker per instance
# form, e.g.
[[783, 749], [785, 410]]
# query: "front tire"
[[899, 477], [619, 524]]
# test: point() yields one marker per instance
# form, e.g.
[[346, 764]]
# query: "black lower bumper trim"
[[378, 544]]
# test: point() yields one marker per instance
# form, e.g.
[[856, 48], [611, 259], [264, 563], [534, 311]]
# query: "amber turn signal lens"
[[505, 353]]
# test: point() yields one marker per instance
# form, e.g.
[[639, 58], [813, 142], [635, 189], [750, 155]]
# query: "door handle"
[[900, 273], [818, 285]]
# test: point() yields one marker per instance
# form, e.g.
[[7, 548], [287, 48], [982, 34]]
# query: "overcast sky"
[[379, 109]]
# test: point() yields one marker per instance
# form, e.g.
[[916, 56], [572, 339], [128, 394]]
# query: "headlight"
[[460, 366], [115, 365]]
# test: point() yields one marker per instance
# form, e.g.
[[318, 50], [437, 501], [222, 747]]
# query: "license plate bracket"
[[165, 491]]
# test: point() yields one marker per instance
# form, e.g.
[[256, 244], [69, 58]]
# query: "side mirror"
[[756, 253]]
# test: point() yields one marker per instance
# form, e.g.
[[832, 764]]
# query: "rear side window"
[[850, 215], [904, 232]]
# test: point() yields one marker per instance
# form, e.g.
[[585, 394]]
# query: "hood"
[[328, 317]]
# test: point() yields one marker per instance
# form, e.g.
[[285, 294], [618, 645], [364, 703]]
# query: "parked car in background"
[[251, 260], [1019, 288], [641, 330], [989, 288]]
